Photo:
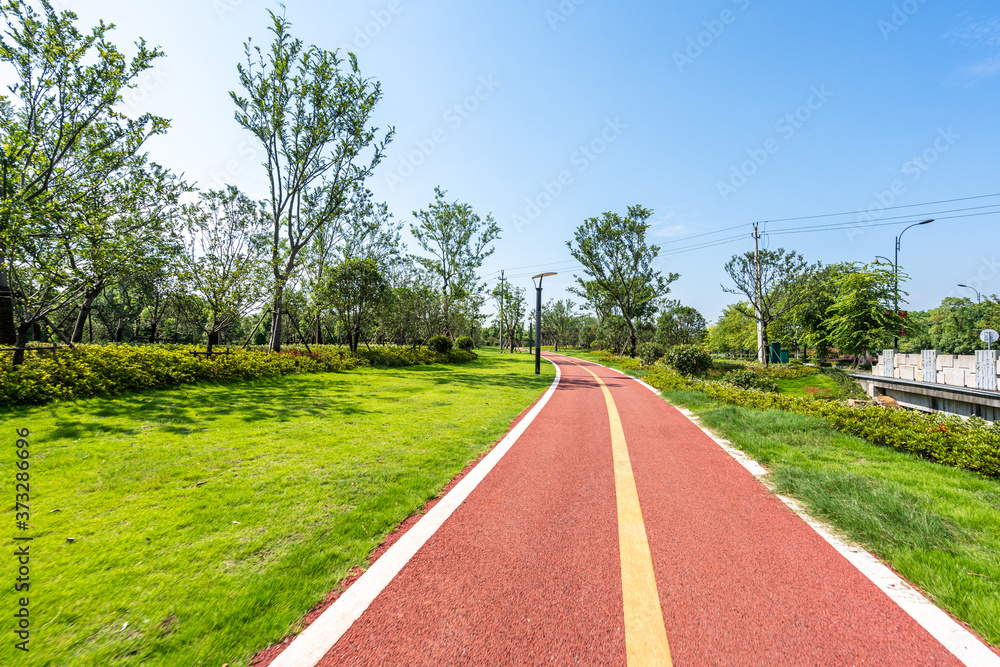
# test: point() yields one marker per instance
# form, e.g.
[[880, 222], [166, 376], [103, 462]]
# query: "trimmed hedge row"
[[113, 369], [972, 444]]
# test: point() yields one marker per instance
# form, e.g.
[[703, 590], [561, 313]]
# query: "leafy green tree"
[[862, 318], [619, 266], [734, 332], [64, 140], [225, 262], [559, 319], [511, 304], [680, 325], [768, 280], [357, 289], [458, 241], [310, 111]]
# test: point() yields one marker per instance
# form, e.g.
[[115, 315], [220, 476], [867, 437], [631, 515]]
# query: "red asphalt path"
[[527, 570]]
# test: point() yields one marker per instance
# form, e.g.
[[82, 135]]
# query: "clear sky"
[[714, 114]]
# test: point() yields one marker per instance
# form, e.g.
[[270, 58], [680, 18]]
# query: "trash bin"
[[784, 356], [775, 353]]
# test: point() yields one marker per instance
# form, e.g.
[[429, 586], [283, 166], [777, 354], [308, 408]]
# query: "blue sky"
[[713, 114]]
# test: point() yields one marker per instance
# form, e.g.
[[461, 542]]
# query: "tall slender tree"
[[311, 111], [458, 241]]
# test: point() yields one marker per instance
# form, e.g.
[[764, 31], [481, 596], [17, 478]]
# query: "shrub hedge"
[[688, 359], [973, 444], [113, 369]]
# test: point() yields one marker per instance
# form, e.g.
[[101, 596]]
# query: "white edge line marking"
[[309, 647], [963, 644]]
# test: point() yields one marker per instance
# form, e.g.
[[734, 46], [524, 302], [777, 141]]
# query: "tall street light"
[[895, 270], [538, 320], [979, 297]]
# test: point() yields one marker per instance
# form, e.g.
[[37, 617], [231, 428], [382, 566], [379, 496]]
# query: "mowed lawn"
[[207, 520]]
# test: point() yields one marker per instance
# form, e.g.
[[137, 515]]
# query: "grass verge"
[[935, 525], [208, 519]]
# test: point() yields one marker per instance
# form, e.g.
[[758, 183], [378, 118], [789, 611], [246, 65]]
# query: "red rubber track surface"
[[527, 570]]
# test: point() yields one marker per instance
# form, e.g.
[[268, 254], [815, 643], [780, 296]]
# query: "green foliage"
[[861, 318], [310, 111], [650, 353], [747, 378], [688, 359], [848, 386], [356, 288], [114, 369], [972, 444], [680, 325], [619, 266], [666, 379], [440, 344], [465, 343], [953, 327]]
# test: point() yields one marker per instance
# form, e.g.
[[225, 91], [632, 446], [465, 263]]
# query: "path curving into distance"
[[609, 529]]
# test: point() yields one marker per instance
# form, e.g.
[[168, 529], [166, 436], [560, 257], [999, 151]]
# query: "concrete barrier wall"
[[981, 371]]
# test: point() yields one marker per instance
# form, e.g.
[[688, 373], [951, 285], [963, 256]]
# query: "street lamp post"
[[895, 270], [538, 320], [979, 297]]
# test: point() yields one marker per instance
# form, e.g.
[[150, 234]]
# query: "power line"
[[834, 215]]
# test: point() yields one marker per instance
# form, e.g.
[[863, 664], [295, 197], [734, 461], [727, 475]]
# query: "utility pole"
[[502, 279], [757, 306]]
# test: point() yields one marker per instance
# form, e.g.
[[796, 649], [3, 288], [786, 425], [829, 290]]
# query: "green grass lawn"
[[208, 519], [816, 386], [935, 525]]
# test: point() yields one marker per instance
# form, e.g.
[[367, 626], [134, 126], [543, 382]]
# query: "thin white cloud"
[[982, 39]]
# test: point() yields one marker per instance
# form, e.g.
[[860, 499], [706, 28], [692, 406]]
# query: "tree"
[[511, 304], [862, 317], [458, 242], [312, 119], [619, 266], [734, 332], [680, 325], [559, 319], [225, 261], [356, 290], [63, 142], [768, 279]]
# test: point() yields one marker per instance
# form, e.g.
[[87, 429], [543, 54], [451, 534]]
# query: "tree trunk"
[[355, 336], [8, 329], [275, 342], [213, 339], [319, 331], [81, 319], [152, 331], [20, 340]]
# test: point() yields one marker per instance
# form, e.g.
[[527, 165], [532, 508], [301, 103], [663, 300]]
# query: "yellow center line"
[[645, 633]]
